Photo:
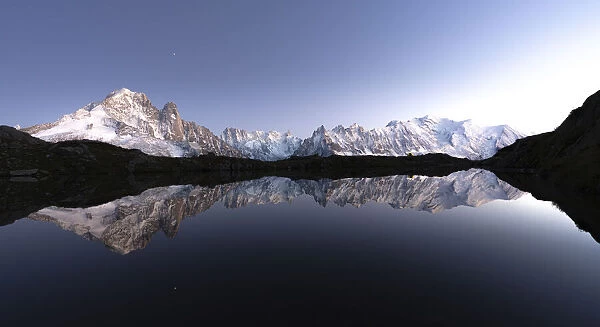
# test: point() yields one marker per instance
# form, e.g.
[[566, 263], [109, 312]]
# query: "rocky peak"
[[125, 98], [356, 128], [133, 109], [338, 129], [233, 135], [171, 124], [321, 130], [170, 107]]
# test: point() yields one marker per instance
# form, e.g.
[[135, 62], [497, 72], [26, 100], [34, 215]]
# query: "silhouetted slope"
[[568, 156]]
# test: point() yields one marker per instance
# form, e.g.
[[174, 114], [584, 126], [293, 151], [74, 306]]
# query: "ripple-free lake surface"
[[462, 249]]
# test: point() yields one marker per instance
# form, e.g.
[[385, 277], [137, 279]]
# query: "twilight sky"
[[294, 65]]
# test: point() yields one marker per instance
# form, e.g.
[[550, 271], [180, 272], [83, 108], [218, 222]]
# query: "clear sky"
[[294, 65]]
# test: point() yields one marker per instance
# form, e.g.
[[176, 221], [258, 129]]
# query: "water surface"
[[466, 248]]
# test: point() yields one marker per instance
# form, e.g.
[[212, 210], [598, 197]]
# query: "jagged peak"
[[320, 130], [170, 106], [128, 101], [338, 129], [232, 130]]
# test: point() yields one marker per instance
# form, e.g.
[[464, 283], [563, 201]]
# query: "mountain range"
[[461, 139], [128, 119]]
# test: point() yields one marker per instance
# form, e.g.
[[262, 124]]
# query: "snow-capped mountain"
[[267, 146], [128, 119], [129, 223], [428, 134]]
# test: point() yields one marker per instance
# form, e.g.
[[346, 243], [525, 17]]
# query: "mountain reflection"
[[129, 223]]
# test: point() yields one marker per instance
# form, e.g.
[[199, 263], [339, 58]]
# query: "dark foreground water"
[[465, 249]]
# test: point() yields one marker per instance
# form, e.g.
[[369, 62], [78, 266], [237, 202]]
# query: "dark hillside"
[[569, 156]]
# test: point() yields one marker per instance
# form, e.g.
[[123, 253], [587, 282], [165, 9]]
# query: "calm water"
[[462, 249]]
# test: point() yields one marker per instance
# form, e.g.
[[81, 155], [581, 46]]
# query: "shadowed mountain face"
[[568, 156], [128, 224]]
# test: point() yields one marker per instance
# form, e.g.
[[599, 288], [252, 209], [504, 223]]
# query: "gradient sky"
[[294, 65]]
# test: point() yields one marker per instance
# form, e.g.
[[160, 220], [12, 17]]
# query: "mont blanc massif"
[[128, 119]]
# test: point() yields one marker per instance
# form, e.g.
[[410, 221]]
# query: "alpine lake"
[[463, 249]]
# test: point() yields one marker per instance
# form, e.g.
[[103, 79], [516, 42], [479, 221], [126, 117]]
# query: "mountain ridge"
[[428, 134], [129, 119]]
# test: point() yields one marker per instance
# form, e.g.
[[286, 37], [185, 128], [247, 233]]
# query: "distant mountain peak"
[[428, 134], [128, 119], [121, 92], [171, 106]]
